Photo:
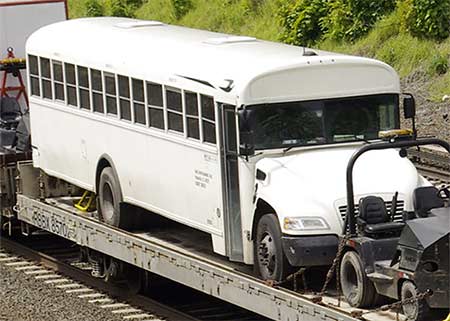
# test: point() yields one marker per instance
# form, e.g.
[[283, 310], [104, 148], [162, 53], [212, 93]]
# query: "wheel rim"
[[409, 309], [107, 202], [350, 284], [267, 255]]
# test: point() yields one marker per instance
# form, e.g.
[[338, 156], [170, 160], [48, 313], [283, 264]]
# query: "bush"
[[350, 19], [426, 18], [301, 21], [438, 64], [93, 8], [181, 7], [307, 21]]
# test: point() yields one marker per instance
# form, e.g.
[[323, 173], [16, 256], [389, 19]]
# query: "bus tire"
[[418, 310], [110, 199], [270, 260], [357, 288]]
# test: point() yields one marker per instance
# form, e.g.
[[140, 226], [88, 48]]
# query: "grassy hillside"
[[423, 64]]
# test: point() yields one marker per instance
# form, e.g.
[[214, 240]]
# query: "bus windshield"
[[281, 125]]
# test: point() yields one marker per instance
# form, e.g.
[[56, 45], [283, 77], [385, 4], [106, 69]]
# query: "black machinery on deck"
[[407, 261]]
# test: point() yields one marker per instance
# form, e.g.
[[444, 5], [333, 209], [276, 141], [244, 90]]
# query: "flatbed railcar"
[[177, 260]]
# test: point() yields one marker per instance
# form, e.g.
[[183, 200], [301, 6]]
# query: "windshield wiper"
[[292, 146]]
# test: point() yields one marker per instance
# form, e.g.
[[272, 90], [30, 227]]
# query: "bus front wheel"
[[110, 199], [270, 260]]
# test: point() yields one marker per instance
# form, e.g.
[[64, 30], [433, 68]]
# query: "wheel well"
[[103, 163], [262, 207]]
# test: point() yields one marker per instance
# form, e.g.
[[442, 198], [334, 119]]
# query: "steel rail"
[[118, 293]]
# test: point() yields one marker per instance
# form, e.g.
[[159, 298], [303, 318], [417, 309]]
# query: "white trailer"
[[244, 139], [19, 19]]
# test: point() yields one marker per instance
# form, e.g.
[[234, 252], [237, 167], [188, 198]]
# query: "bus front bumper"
[[314, 250]]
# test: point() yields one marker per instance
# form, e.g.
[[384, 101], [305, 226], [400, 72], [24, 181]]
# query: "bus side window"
[[97, 90], [208, 119], [71, 84], [34, 75], [83, 87], [138, 101], [155, 105], [174, 109], [111, 92], [124, 97], [58, 80], [46, 78], [191, 103]]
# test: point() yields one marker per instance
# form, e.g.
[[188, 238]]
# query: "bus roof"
[[249, 70]]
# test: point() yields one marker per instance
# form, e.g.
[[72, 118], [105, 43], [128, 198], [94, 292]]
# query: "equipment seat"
[[10, 113], [425, 199], [374, 220]]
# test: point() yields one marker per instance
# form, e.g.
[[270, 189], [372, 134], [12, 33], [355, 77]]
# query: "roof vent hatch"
[[229, 40], [138, 24]]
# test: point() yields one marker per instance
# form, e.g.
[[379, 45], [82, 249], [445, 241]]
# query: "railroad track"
[[52, 270], [434, 165], [55, 261]]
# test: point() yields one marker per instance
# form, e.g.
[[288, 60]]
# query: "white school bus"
[[244, 139]]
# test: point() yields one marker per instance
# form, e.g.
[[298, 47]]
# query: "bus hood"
[[312, 183]]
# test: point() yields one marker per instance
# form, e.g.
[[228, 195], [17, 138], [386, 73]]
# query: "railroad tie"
[[18, 263], [47, 276], [38, 272], [91, 295], [79, 290], [28, 267], [125, 311], [137, 316], [68, 286], [54, 281], [114, 305], [8, 259], [105, 300]]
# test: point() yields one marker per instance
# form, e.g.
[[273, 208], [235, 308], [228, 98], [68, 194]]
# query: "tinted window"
[[208, 119], [154, 93], [96, 80], [191, 103], [83, 80], [207, 104], [34, 75], [110, 88], [33, 65], [70, 74], [156, 118], [173, 100], [58, 71], [45, 68], [138, 101], [124, 86]]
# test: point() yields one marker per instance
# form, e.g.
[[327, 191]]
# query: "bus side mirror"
[[247, 144], [246, 137], [409, 107]]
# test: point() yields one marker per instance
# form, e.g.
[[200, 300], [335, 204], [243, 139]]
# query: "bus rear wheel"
[[110, 199], [270, 260]]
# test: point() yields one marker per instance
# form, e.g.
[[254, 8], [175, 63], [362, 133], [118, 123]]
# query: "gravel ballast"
[[23, 298]]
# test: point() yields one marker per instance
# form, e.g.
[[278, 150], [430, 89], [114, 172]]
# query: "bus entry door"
[[230, 179]]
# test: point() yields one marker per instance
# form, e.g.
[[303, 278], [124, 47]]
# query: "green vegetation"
[[410, 35]]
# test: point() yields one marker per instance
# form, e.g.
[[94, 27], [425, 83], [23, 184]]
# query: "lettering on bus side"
[[202, 179]]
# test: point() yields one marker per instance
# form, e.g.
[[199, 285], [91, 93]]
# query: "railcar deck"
[[182, 256]]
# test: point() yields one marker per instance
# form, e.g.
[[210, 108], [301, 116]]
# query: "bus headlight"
[[305, 223]]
